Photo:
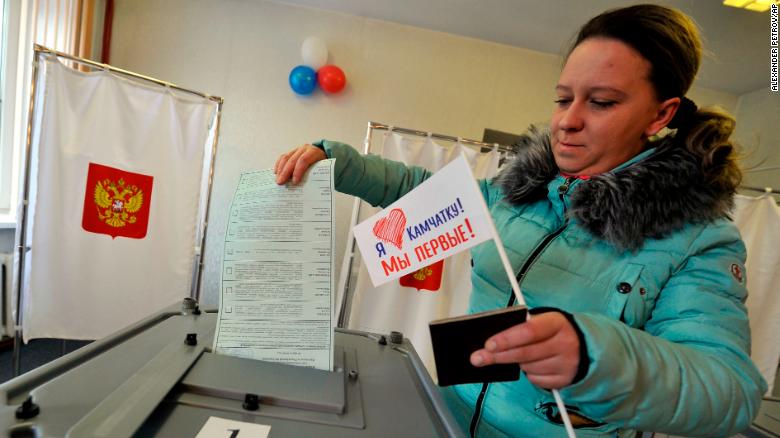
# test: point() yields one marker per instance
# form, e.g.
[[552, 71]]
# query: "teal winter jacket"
[[646, 262]]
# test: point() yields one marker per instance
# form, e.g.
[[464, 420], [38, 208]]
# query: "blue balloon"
[[303, 79]]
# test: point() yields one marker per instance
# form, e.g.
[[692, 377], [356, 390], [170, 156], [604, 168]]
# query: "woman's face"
[[606, 108]]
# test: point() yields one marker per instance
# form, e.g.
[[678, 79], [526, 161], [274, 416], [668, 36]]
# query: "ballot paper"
[[277, 300]]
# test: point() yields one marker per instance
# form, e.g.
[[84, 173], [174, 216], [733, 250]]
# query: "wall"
[[400, 75]]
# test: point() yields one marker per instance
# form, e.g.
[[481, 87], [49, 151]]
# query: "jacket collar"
[[650, 196]]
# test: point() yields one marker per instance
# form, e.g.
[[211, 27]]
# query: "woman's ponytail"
[[707, 134]]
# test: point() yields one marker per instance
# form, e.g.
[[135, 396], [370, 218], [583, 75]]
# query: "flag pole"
[[519, 297], [510, 273]]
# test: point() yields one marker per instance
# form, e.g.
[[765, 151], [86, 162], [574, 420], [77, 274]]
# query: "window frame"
[[15, 83]]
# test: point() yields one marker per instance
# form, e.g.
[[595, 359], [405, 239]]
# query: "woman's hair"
[[669, 40]]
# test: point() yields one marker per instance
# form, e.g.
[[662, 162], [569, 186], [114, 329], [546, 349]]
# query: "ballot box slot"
[[218, 382], [262, 399], [274, 383]]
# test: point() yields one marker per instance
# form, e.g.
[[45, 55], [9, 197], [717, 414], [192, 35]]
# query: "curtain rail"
[[381, 126], [100, 66]]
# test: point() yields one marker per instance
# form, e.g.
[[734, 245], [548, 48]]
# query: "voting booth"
[[159, 378], [118, 166]]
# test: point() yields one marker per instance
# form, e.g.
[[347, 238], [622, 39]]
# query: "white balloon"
[[315, 53]]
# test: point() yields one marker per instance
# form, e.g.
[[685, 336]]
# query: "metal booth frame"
[[21, 233]]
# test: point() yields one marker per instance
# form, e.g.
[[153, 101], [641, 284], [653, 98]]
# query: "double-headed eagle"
[[116, 202], [423, 273]]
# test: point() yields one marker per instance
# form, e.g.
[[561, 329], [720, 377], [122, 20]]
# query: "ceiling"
[[737, 41]]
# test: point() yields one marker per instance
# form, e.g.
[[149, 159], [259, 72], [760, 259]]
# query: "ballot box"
[[160, 378], [767, 422]]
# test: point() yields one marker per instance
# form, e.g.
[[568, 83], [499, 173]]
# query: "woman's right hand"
[[296, 162]]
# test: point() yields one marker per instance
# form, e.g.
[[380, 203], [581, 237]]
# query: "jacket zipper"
[[562, 189]]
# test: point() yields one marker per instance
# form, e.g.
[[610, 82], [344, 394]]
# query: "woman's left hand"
[[546, 347]]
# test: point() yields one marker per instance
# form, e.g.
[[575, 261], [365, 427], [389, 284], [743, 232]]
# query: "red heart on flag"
[[391, 227]]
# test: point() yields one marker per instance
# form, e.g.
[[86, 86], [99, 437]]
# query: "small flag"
[[441, 217]]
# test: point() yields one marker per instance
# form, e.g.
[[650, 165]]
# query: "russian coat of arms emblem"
[[116, 202]]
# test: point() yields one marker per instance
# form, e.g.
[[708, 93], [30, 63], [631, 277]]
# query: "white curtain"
[[758, 220], [84, 284], [406, 309]]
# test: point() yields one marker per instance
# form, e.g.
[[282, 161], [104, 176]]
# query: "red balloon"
[[331, 78]]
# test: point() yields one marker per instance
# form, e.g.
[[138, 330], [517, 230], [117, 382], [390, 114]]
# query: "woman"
[[621, 243]]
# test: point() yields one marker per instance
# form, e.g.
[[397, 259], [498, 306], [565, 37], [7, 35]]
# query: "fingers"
[[280, 162], [550, 373], [294, 164], [527, 353], [305, 160], [523, 342], [545, 367], [545, 347], [535, 330], [286, 168]]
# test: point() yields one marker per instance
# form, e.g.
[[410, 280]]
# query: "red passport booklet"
[[454, 339]]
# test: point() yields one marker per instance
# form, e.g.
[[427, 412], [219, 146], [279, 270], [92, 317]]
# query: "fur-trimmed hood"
[[647, 199]]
